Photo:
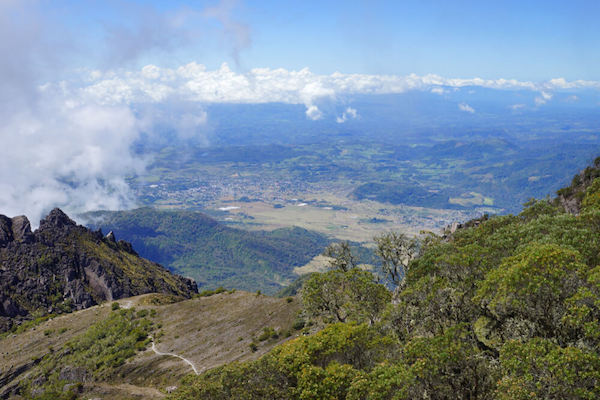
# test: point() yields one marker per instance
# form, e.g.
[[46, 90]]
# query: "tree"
[[342, 257], [344, 296], [541, 369], [533, 286], [395, 250]]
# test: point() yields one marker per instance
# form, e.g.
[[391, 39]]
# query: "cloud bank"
[[59, 149], [193, 82]]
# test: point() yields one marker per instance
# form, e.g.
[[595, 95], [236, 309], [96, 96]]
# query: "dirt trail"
[[160, 353], [127, 304]]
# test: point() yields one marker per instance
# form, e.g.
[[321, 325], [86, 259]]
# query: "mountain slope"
[[207, 331], [195, 245], [62, 267]]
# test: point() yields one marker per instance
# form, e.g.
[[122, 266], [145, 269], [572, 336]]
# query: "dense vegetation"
[[401, 193], [193, 244], [505, 308], [91, 356]]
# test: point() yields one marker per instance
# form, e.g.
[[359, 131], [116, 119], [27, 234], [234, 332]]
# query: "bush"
[[114, 306], [208, 292], [298, 324], [268, 333]]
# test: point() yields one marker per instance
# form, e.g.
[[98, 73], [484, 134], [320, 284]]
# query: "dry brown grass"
[[209, 331]]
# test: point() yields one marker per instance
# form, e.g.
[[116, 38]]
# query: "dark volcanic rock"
[[6, 235], [56, 219], [63, 267], [21, 229]]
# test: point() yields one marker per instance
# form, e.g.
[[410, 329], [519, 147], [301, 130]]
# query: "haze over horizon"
[[81, 81]]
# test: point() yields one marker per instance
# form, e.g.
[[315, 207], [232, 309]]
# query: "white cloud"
[[69, 154], [349, 113], [235, 32], [516, 107], [467, 108], [543, 98], [63, 146], [193, 82], [313, 112]]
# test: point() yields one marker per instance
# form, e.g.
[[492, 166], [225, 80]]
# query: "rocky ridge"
[[63, 266]]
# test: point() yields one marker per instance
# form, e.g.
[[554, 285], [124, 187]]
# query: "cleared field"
[[351, 222]]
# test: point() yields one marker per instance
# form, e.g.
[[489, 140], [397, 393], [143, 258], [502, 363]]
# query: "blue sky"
[[527, 40]]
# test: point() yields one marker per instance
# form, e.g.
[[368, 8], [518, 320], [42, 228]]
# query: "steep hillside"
[[193, 244], [59, 358], [62, 267], [570, 197]]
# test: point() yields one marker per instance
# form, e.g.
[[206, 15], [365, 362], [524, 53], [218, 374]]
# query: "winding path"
[[160, 353]]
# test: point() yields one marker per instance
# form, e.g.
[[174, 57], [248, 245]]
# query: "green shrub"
[[298, 324], [102, 348], [268, 333], [208, 292]]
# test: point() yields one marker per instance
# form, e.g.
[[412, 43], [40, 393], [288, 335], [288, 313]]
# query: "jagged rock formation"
[[63, 266]]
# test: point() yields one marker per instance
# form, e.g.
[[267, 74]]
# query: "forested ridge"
[[505, 307], [193, 244]]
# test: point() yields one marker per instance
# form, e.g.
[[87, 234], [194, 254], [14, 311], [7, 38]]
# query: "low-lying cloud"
[[466, 108], [543, 98], [59, 148], [349, 113], [195, 83]]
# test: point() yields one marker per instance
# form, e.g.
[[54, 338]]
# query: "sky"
[[525, 40], [82, 80]]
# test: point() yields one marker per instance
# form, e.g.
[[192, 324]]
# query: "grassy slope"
[[206, 330]]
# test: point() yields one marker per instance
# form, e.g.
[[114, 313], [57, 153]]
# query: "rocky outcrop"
[[63, 266], [571, 196], [14, 229]]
